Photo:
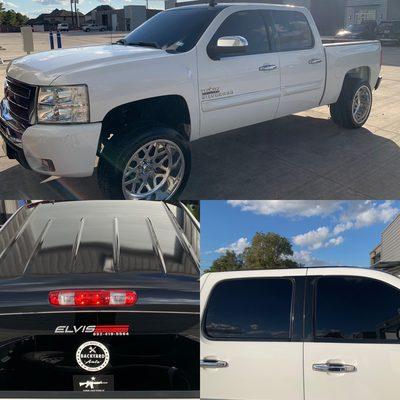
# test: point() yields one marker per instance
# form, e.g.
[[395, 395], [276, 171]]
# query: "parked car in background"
[[389, 32], [64, 27], [364, 31], [94, 28], [100, 296], [300, 334], [199, 71]]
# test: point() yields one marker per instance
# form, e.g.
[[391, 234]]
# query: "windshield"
[[176, 30]]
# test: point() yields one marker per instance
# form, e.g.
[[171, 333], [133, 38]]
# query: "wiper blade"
[[145, 44]]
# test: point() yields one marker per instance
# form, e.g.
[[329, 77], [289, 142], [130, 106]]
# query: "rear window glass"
[[292, 30], [250, 309], [345, 309]]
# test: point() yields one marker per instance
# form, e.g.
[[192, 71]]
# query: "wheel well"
[[169, 110], [363, 73]]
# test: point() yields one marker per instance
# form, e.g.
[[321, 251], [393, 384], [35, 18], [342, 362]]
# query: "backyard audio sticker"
[[92, 356]]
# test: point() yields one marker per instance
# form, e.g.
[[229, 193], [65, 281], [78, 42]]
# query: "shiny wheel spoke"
[[154, 172], [361, 104]]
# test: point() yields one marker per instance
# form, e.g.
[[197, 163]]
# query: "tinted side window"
[[248, 24], [354, 308], [292, 30], [245, 309]]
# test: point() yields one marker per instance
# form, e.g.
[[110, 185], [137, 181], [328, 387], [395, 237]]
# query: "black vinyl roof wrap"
[[99, 237]]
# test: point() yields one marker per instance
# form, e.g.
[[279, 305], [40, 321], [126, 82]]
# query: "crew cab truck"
[[300, 334], [99, 299], [184, 74]]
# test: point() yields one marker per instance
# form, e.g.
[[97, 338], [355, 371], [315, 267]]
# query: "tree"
[[230, 261], [10, 18], [269, 250]]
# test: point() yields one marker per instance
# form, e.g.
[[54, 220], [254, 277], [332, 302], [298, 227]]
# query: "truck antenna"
[[212, 3]]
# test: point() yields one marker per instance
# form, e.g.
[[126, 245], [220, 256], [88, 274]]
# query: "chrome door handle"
[[267, 67], [334, 367], [213, 364], [315, 61]]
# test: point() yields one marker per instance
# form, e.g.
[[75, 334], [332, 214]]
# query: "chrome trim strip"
[[101, 311], [182, 237], [116, 246], [77, 242], [38, 245], [190, 215], [156, 245]]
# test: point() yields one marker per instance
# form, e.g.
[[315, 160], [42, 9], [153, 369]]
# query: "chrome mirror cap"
[[232, 41]]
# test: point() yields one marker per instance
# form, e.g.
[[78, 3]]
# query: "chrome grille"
[[21, 101]]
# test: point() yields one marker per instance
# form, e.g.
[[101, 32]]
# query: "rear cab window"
[[250, 309], [346, 311], [292, 31]]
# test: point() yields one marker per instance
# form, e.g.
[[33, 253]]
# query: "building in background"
[[51, 20], [387, 254], [359, 11]]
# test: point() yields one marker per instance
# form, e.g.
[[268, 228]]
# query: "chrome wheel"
[[154, 172], [361, 104]]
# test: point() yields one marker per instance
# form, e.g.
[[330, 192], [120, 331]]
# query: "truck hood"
[[43, 68]]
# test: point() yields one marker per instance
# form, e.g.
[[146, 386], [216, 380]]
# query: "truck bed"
[[342, 57]]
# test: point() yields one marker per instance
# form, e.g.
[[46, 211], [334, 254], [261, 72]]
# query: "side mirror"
[[228, 45]]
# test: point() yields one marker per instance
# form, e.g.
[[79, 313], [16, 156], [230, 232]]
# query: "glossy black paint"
[[106, 244]]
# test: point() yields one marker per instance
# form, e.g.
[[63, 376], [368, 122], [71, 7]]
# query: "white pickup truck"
[[184, 74], [300, 334]]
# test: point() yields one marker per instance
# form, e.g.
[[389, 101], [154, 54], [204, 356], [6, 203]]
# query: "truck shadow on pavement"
[[295, 157], [19, 183]]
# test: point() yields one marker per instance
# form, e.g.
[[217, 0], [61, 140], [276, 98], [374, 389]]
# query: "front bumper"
[[62, 150]]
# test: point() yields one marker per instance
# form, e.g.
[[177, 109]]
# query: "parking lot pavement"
[[303, 156]]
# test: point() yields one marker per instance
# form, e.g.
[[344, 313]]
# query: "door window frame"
[[265, 16], [295, 317], [310, 308]]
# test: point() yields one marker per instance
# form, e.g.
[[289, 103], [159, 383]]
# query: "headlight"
[[63, 105]]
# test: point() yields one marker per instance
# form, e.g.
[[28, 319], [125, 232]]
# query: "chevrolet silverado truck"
[[99, 299], [300, 334], [189, 72]]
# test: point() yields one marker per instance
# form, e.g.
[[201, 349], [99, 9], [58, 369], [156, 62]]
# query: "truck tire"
[[146, 163], [354, 104]]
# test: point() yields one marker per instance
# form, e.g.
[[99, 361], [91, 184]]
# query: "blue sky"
[[33, 8], [321, 232]]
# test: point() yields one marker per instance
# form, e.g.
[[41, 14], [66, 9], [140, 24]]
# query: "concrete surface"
[[304, 156]]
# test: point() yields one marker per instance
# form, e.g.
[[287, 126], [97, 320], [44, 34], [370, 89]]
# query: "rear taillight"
[[92, 298]]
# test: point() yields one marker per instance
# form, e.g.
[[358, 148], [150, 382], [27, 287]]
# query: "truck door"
[[248, 349], [238, 89], [302, 61], [354, 352]]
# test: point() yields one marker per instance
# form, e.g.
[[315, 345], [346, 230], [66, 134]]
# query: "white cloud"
[[52, 2], [8, 4], [291, 208], [306, 258], [367, 213], [238, 246], [342, 227], [314, 239], [335, 241]]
